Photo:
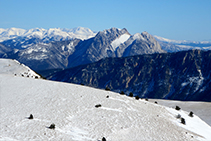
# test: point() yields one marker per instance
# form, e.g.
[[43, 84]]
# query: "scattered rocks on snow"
[[182, 120], [107, 89], [103, 139], [137, 97], [178, 116], [177, 108], [30, 117], [130, 94], [191, 114], [98, 105], [52, 126]]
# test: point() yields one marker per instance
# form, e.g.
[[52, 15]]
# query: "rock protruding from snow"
[[14, 68]]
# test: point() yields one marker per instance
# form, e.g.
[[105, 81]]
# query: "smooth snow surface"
[[120, 40], [72, 109]]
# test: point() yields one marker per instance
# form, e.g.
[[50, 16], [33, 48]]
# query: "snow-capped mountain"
[[180, 45], [84, 113], [14, 68], [21, 38], [178, 76]]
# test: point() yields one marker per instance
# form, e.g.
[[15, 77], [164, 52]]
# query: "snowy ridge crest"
[[15, 68]]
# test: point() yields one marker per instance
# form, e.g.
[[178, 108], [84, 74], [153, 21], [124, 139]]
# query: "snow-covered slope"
[[72, 108], [14, 68], [202, 109]]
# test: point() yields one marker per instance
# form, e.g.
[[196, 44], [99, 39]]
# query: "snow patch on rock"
[[119, 41]]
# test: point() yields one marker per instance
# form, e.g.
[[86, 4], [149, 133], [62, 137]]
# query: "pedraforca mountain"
[[179, 76], [113, 43]]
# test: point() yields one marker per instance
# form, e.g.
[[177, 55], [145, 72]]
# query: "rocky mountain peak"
[[114, 32], [147, 36]]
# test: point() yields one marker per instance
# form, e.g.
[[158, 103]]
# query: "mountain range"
[[40, 55]]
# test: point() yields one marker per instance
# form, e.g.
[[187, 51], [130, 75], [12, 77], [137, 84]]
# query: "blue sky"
[[173, 19]]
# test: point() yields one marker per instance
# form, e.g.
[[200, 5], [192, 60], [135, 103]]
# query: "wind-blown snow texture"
[[72, 109]]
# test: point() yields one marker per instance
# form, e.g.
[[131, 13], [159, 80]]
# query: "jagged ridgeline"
[[180, 76]]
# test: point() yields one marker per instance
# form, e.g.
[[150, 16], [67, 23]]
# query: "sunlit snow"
[[120, 40]]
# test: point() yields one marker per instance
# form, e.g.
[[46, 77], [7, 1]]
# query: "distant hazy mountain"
[[180, 45], [21, 38], [180, 76]]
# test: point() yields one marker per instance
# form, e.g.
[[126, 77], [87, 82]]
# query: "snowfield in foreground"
[[72, 108]]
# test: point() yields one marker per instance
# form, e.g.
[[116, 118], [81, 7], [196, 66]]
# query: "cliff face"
[[180, 76]]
